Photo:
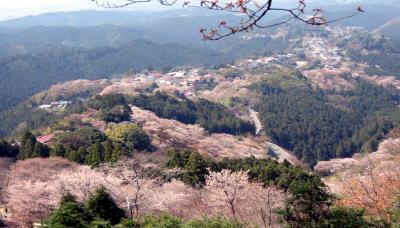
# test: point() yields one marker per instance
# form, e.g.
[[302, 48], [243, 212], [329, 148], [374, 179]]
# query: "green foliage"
[[113, 107], [128, 223], [8, 150], [396, 212], [177, 157], [304, 121], [285, 79], [169, 221], [90, 146], [100, 224], [344, 218], [70, 214], [382, 52], [58, 150], [131, 135], [24, 116], [95, 155], [100, 212], [165, 106], [107, 101], [78, 156], [137, 139], [215, 118], [81, 137], [195, 170], [164, 221], [108, 151], [67, 197], [101, 205], [31, 148], [219, 222], [30, 73], [117, 114], [308, 204]]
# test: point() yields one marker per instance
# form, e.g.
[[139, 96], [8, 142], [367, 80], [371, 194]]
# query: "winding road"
[[273, 150], [256, 120]]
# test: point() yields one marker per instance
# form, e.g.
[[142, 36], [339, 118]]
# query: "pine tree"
[[28, 141], [102, 206], [74, 156], [195, 170], [83, 155], [70, 214], [308, 204], [58, 150], [68, 151], [37, 150], [117, 153], [27, 149], [108, 151], [96, 155]]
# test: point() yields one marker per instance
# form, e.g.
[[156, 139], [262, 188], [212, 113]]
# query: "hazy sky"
[[18, 8]]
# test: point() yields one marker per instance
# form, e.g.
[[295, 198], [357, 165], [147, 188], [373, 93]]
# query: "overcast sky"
[[19, 8]]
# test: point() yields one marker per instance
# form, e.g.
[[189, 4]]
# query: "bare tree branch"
[[252, 11]]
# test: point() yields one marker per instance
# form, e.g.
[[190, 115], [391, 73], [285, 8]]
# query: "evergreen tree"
[[96, 155], [70, 214], [37, 150], [195, 170], [68, 151], [108, 151], [27, 149], [117, 153], [100, 224], [308, 204], [28, 141], [7, 150], [137, 139], [74, 156], [102, 206], [58, 150], [396, 212], [177, 158], [344, 218]]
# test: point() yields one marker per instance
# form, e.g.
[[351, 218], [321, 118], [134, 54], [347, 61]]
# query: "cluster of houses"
[[55, 105], [185, 81]]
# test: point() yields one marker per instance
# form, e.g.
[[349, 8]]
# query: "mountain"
[[390, 29], [375, 15], [31, 73], [94, 18]]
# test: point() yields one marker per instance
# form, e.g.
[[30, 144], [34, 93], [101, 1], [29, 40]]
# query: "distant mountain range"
[[390, 28], [376, 14]]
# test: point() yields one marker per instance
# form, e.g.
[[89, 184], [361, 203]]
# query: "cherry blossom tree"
[[227, 187], [375, 188], [265, 201], [250, 203], [131, 182]]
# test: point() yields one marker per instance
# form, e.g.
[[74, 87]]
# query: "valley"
[[293, 126]]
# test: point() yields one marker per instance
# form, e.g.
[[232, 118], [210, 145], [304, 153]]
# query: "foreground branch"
[[252, 12]]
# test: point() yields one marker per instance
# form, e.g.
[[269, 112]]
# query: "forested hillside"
[[29, 74], [305, 122]]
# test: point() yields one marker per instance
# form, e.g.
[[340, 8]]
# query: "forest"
[[31, 73], [304, 121], [213, 117]]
